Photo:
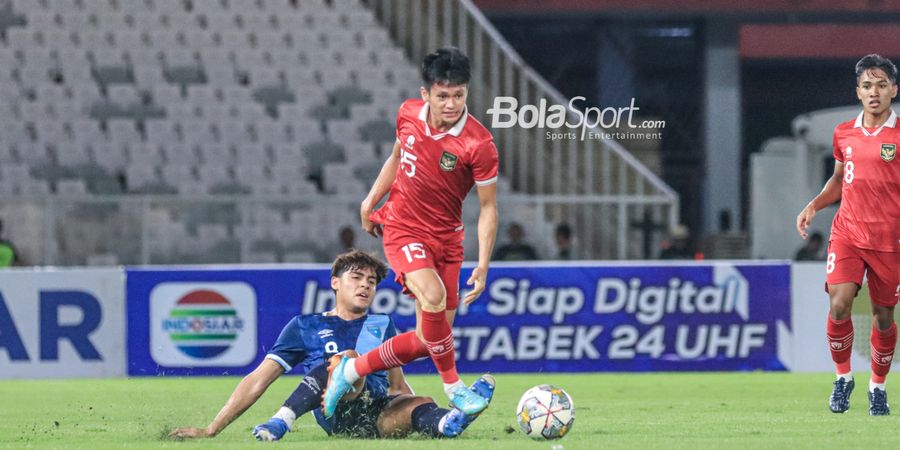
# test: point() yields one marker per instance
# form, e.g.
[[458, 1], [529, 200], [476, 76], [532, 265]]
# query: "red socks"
[[405, 348], [395, 352], [883, 343], [438, 338], [840, 342]]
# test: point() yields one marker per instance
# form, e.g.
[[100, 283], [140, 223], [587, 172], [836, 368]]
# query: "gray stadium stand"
[[267, 99]]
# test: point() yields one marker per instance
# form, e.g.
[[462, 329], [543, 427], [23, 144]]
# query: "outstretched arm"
[[830, 193], [381, 187], [245, 395], [487, 234]]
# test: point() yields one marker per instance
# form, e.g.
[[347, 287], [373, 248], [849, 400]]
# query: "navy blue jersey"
[[311, 339]]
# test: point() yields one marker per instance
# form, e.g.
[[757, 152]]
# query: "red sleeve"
[[838, 154], [485, 163], [400, 119]]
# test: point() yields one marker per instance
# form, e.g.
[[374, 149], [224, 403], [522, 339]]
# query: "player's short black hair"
[[875, 61], [447, 65], [356, 259], [564, 230]]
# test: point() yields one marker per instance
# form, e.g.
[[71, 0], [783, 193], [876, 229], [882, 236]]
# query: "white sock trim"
[[873, 385], [350, 371], [846, 376], [449, 388], [287, 415]]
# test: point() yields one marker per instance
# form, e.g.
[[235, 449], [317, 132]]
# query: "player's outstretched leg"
[[456, 421], [273, 430], [338, 385], [840, 397]]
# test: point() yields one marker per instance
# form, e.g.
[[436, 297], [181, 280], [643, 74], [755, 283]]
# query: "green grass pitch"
[[628, 411]]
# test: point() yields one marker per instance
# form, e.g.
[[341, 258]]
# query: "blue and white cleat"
[[453, 423], [878, 404], [456, 421], [337, 384], [839, 401], [273, 430]]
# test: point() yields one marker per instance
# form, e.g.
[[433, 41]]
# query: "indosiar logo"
[[203, 324]]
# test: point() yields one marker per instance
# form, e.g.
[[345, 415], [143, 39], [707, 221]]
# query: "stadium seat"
[[33, 154], [180, 154], [208, 6], [180, 22], [166, 7], [71, 154], [232, 132], [251, 165], [109, 156], [71, 187], [176, 174], [260, 257], [122, 131], [140, 176], [135, 6], [267, 131]]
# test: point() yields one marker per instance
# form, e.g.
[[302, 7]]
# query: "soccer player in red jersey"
[[865, 234], [440, 154]]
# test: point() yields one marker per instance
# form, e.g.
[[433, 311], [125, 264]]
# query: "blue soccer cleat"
[[878, 405], [273, 430], [839, 401], [468, 401], [456, 421], [337, 384], [453, 423]]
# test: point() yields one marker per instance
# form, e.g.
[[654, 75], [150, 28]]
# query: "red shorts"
[[408, 251], [847, 264]]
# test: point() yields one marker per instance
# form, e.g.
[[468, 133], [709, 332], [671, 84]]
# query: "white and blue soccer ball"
[[545, 412]]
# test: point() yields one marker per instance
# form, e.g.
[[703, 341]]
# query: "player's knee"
[[883, 316], [435, 296], [841, 307]]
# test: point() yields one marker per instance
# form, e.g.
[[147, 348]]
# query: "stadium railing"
[[607, 195]]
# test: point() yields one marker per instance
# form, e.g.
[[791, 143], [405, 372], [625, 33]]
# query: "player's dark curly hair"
[[875, 61], [355, 259], [447, 65]]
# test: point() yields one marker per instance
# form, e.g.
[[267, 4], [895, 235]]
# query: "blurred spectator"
[[347, 239], [8, 256], [813, 250], [515, 249], [563, 242], [678, 245]]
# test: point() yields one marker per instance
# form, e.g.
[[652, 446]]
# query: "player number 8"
[[829, 263], [848, 172]]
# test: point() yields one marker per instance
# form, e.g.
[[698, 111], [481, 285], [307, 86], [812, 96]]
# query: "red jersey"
[[436, 172], [869, 215]]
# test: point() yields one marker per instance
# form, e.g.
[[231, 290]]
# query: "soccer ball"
[[545, 412]]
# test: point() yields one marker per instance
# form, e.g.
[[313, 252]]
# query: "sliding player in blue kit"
[[383, 405]]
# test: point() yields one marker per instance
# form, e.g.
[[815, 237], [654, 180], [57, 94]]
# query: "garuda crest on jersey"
[[448, 161], [888, 151]]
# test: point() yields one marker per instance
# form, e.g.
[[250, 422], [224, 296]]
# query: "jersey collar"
[[890, 123], [454, 131]]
